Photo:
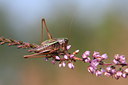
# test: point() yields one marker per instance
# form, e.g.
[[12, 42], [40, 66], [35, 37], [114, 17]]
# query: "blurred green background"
[[100, 25]]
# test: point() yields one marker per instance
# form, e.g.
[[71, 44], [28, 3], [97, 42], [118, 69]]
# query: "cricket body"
[[50, 47]]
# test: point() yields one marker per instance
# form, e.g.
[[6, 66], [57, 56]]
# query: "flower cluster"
[[117, 69], [65, 59]]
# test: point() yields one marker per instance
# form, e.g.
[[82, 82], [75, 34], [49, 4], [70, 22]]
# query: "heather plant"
[[117, 68]]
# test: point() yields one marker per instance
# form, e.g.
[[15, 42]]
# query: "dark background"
[[100, 25]]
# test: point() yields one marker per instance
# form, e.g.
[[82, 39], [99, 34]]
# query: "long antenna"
[[70, 24], [44, 25]]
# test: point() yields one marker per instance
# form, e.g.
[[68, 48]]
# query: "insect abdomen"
[[46, 48]]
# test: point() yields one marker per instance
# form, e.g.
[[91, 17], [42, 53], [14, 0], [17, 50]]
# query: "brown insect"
[[51, 47]]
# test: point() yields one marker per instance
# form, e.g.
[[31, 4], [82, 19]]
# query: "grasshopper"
[[51, 47]]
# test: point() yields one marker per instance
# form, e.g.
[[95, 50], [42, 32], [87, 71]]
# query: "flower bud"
[[60, 64], [118, 74], [107, 74], [104, 56], [113, 71], [68, 47], [65, 57], [126, 70], [122, 58], [96, 54], [63, 64], [57, 57], [91, 69], [70, 65], [116, 56], [108, 69], [87, 60], [53, 61], [76, 52], [71, 56], [98, 73], [124, 75], [115, 61], [94, 63]]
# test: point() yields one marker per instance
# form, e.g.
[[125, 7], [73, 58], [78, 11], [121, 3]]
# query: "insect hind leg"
[[44, 25], [36, 55]]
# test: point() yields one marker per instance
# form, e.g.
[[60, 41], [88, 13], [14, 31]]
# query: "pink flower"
[[124, 75], [96, 54], [65, 57], [91, 69], [98, 73], [118, 74], [71, 66], [87, 60], [126, 70], [107, 74], [104, 56], [68, 47], [86, 54], [57, 57], [94, 63]]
